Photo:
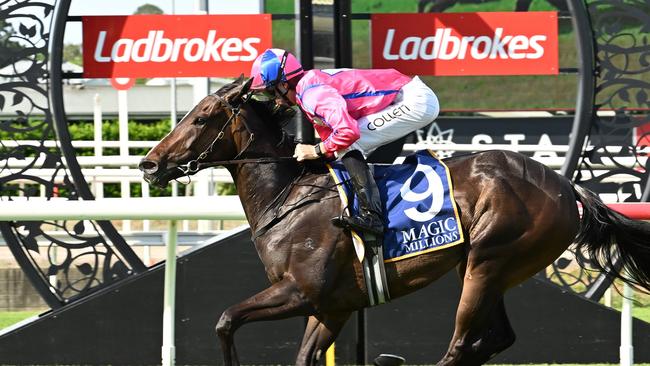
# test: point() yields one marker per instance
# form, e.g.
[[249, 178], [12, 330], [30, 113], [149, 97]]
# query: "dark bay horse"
[[518, 216]]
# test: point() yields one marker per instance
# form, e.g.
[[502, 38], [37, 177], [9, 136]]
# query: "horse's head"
[[209, 132]]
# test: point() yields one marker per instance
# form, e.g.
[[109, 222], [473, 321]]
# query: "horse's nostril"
[[148, 166]]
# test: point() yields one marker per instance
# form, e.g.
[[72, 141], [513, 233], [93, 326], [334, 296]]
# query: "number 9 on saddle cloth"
[[419, 208]]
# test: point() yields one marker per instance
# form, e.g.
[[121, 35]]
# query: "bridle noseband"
[[194, 165]]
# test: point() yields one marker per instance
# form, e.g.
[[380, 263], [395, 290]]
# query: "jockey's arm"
[[327, 105]]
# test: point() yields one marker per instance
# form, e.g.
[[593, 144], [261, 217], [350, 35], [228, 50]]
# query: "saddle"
[[419, 210]]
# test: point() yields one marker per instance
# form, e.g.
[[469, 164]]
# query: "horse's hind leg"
[[319, 335], [482, 326], [498, 335], [282, 300]]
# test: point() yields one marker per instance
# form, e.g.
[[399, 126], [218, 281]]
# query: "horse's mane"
[[275, 118], [228, 87]]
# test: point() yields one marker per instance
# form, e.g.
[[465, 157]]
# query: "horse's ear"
[[246, 86], [238, 93], [240, 79]]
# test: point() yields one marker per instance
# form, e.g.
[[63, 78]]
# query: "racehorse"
[[518, 216]]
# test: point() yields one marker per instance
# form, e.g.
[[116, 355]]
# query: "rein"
[[195, 165]]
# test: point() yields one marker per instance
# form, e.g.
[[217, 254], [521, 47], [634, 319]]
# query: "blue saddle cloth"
[[418, 204]]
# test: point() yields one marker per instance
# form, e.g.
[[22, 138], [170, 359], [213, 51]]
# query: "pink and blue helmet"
[[272, 66]]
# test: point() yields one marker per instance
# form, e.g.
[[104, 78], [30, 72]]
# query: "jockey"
[[354, 112]]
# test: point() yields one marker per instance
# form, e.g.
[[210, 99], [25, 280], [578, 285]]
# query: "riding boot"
[[369, 218]]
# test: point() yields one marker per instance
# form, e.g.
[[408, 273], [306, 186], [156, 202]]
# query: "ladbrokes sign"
[[495, 43], [167, 46]]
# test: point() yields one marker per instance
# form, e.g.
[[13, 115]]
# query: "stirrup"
[[347, 222], [339, 222]]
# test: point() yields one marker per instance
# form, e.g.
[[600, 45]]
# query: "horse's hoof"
[[386, 359]]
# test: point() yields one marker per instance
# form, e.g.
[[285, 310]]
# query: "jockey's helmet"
[[274, 66]]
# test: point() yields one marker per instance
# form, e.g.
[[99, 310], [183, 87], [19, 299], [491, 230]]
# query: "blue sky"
[[127, 7]]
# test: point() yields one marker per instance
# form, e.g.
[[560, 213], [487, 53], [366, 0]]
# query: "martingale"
[[419, 208]]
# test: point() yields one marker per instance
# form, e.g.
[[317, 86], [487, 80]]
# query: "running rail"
[[159, 208]]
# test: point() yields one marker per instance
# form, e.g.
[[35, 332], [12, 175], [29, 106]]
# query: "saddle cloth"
[[418, 205]]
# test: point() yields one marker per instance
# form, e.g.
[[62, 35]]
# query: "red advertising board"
[[490, 43], [173, 45]]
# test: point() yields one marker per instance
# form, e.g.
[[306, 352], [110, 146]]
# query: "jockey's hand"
[[305, 152]]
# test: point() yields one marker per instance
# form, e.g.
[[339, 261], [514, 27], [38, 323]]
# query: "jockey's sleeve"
[[325, 103]]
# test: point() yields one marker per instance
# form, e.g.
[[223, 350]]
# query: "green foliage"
[[226, 189], [138, 131], [279, 6], [8, 46], [72, 53], [148, 9]]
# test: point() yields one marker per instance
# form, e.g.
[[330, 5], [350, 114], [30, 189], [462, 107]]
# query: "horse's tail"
[[616, 245]]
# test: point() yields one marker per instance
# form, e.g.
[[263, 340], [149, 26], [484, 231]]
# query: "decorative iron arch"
[[86, 258], [614, 78]]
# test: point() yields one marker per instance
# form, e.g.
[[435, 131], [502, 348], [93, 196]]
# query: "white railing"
[[161, 208], [121, 169]]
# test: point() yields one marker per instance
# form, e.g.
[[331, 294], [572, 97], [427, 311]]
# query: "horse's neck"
[[260, 185]]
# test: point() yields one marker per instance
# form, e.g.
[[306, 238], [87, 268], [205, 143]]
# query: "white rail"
[[162, 208], [156, 208]]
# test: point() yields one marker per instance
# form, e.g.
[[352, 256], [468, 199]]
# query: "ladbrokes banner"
[[491, 43], [171, 46]]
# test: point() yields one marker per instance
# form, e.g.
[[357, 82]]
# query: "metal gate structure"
[[613, 76]]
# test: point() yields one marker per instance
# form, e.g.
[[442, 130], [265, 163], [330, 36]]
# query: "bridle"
[[197, 164]]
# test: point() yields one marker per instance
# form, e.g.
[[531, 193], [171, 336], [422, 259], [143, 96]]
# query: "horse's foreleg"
[[319, 335], [280, 301]]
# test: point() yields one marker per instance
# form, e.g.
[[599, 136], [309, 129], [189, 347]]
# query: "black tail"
[[603, 229]]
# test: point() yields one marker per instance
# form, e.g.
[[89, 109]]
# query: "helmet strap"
[[283, 62]]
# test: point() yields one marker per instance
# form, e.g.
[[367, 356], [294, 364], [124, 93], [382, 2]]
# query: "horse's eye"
[[201, 120]]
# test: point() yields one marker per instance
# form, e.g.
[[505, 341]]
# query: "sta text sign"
[[490, 43], [170, 46]]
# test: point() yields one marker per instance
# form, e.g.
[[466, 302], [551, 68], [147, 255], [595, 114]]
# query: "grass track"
[[8, 318]]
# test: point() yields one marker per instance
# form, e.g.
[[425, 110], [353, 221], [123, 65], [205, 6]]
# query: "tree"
[[148, 9], [72, 53], [8, 48]]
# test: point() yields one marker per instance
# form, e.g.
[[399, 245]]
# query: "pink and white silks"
[[359, 109]]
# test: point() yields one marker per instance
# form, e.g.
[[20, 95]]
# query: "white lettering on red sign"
[[146, 46], [462, 44], [445, 46], [158, 48]]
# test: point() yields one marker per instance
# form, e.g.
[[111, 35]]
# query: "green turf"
[[642, 313], [8, 318]]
